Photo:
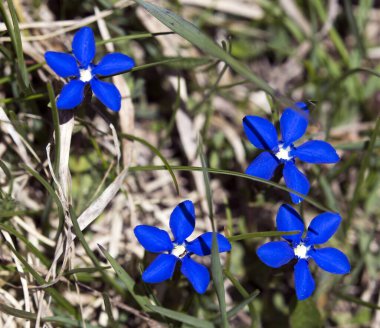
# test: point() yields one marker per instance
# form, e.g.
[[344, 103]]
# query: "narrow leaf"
[[181, 317], [192, 34], [262, 234], [216, 268], [143, 301]]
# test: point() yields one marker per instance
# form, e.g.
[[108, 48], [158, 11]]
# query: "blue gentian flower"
[[83, 71], [293, 124], [278, 253], [155, 240]]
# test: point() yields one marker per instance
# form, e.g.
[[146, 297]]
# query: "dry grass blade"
[[66, 119], [97, 206]]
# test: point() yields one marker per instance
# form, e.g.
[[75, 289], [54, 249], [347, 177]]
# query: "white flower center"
[[85, 74], [283, 152], [179, 251], [301, 251]]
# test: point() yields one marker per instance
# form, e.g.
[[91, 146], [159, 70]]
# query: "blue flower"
[[155, 240], [82, 71], [278, 253], [293, 123]]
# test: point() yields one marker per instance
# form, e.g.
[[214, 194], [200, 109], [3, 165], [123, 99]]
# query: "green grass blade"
[[358, 301], [146, 144], [235, 310], [192, 34], [262, 234], [216, 268], [54, 293], [158, 153], [9, 214], [361, 175], [132, 37], [181, 317], [243, 292], [348, 8], [29, 245], [85, 270], [17, 313], [49, 189], [307, 199], [57, 152], [33, 316], [57, 134], [108, 308], [6, 171], [14, 33], [143, 301], [78, 232]]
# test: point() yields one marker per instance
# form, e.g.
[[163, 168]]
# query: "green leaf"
[[358, 301], [158, 153], [234, 311], [85, 270], [55, 294], [17, 313], [14, 33], [181, 317], [57, 142], [132, 37], [108, 308], [7, 173], [28, 244], [305, 314], [307, 199], [262, 234], [78, 232], [243, 292], [9, 214], [143, 301], [187, 62], [192, 34], [50, 190], [33, 316], [216, 268], [360, 181]]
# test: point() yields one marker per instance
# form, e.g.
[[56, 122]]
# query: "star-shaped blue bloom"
[[293, 124], [278, 253], [83, 71], [155, 240]]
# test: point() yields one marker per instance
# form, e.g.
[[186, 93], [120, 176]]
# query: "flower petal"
[[84, 46], [196, 273], [296, 180], [62, 64], [114, 63], [288, 220], [260, 132], [182, 221], [263, 166], [322, 227], [303, 280], [331, 260], [301, 105], [203, 244], [153, 239], [293, 124], [107, 93], [275, 253], [71, 95], [316, 152], [160, 269]]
